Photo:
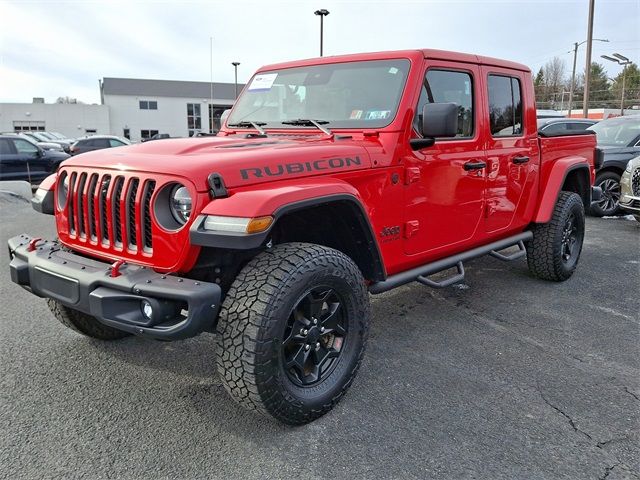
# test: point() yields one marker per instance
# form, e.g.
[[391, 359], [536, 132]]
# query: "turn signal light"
[[259, 224]]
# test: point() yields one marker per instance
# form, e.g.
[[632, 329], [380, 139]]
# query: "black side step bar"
[[420, 274]]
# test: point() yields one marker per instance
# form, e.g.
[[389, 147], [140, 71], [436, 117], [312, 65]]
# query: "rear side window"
[[115, 143], [449, 86], [22, 146], [505, 106]]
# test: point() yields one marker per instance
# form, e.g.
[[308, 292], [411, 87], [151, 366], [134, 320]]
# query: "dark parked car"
[[563, 126], [23, 159], [157, 136], [619, 140], [97, 142]]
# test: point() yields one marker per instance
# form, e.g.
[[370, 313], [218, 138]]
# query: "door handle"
[[475, 165], [520, 160]]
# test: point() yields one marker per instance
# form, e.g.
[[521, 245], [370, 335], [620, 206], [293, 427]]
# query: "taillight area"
[[111, 214]]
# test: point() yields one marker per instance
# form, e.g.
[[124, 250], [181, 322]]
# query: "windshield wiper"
[[255, 125], [309, 123]]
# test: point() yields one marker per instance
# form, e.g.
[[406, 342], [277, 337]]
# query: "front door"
[[445, 183]]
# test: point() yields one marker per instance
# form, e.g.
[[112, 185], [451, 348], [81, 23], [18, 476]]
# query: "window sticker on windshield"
[[355, 115], [262, 82], [393, 70], [378, 114]]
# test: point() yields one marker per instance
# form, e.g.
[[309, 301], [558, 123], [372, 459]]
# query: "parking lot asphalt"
[[504, 376]]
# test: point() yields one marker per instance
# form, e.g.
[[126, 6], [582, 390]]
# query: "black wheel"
[[83, 323], [292, 331], [554, 251], [608, 205]]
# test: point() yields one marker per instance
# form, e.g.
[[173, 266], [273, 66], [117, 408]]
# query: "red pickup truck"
[[332, 178]]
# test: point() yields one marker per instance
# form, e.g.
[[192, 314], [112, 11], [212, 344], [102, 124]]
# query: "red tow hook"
[[115, 268], [32, 244]]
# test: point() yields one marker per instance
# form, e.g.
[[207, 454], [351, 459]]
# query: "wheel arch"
[[335, 221], [572, 174]]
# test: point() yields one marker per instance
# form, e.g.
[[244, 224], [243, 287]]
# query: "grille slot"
[[91, 206], [102, 206], [116, 210], [635, 182], [131, 213], [147, 239], [82, 231], [72, 203]]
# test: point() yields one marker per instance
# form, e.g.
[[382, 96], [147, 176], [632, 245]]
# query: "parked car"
[[619, 141], [43, 145], [97, 142], [276, 244], [22, 159], [558, 126], [630, 188], [157, 136], [46, 137]]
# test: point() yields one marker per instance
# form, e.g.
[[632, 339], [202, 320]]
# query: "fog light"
[[147, 309]]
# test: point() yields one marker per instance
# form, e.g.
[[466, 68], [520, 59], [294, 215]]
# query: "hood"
[[238, 159], [55, 155]]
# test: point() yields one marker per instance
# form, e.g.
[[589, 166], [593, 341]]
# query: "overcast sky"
[[57, 48]]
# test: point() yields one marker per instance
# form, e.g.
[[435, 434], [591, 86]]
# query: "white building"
[[132, 108], [141, 108], [71, 119]]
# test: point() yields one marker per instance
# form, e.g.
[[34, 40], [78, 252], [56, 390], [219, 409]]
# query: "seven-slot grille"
[[111, 210], [635, 182]]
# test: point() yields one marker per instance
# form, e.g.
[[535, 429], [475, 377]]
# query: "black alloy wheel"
[[315, 337]]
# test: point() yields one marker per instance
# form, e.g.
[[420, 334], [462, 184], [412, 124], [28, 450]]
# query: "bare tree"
[[67, 99], [554, 76]]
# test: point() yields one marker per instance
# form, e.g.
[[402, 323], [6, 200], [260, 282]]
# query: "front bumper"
[[182, 307], [630, 203]]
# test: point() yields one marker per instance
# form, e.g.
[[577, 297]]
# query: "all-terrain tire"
[[83, 323], [254, 320], [547, 251], [608, 205]]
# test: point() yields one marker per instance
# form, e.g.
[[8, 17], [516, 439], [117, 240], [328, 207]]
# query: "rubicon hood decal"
[[299, 167]]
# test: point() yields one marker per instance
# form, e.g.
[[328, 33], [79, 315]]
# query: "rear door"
[[444, 183], [511, 148]]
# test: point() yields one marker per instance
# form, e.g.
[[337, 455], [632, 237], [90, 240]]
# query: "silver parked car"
[[630, 188]]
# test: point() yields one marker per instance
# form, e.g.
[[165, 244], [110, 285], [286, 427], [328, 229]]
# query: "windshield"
[[617, 132], [346, 95]]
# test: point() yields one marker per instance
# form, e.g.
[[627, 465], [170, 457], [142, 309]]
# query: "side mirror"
[[438, 120]]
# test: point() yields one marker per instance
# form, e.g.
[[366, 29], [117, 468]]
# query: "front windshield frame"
[[400, 65], [619, 125]]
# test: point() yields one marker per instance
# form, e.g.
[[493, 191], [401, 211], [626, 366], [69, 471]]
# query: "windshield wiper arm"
[[246, 124], [309, 122]]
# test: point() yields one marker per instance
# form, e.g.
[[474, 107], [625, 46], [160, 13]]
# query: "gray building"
[[141, 108]]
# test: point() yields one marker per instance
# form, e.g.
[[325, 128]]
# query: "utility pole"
[[624, 61], [587, 73], [210, 109], [321, 13], [573, 73], [235, 66]]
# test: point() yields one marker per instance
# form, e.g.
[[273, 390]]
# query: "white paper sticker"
[[262, 82]]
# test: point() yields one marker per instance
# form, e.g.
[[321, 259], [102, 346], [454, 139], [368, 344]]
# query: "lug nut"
[[307, 347], [304, 331], [315, 321], [318, 346], [321, 329]]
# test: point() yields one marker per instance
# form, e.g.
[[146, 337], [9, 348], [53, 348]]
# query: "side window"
[[5, 147], [554, 128], [22, 146], [577, 126], [505, 106], [115, 143], [449, 86], [102, 143]]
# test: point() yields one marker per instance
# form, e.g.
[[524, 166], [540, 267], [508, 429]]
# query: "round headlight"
[[63, 191], [180, 204]]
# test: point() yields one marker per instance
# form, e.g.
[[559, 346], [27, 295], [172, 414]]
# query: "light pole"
[[573, 73], [587, 73], [624, 61], [321, 13], [235, 66]]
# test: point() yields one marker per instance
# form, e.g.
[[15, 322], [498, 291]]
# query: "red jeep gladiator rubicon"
[[332, 178]]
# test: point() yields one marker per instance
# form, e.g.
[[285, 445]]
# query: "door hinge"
[[411, 228], [411, 175]]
